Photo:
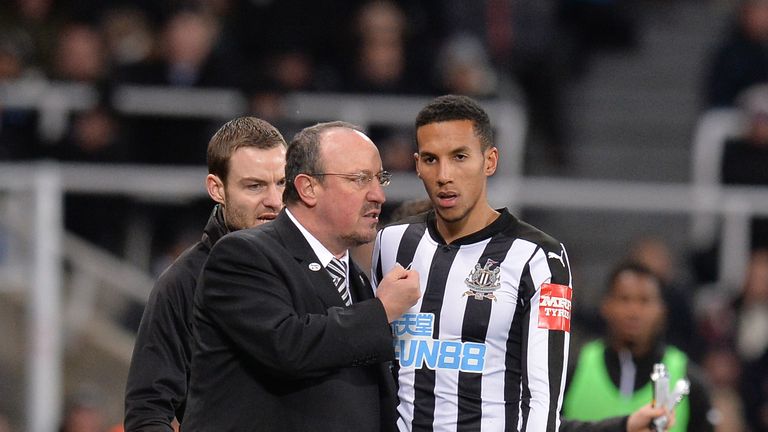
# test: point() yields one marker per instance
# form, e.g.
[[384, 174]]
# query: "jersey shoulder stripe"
[[554, 251]]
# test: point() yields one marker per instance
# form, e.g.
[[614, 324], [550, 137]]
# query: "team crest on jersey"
[[483, 281]]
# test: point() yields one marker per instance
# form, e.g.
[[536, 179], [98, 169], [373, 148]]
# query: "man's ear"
[[215, 188], [491, 161], [416, 162], [305, 186]]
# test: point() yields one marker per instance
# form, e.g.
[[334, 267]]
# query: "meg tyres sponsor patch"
[[555, 307]]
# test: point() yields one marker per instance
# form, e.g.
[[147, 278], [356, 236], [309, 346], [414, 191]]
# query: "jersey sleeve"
[[546, 342]]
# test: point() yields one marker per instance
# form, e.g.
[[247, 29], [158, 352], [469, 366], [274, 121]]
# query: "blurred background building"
[[628, 129]]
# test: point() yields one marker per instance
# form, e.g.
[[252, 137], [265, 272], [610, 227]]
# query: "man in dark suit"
[[288, 333]]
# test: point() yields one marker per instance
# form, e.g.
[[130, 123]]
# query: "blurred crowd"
[[267, 49], [526, 50], [731, 335]]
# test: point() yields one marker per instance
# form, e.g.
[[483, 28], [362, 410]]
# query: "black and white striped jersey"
[[485, 348]]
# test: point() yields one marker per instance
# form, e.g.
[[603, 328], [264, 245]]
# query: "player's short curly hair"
[[455, 107]]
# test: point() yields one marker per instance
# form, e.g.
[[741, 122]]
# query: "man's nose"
[[376, 193], [444, 173], [274, 197]]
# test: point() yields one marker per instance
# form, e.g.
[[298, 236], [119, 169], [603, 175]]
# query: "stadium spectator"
[[750, 313], [612, 376], [745, 158], [38, 23], [741, 59], [80, 54], [127, 35], [464, 67], [723, 369], [13, 55], [751, 309], [382, 62], [754, 387], [742, 319], [678, 292], [18, 135], [190, 56]]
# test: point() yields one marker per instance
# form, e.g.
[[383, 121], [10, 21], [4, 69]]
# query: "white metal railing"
[[45, 357], [101, 286], [713, 129]]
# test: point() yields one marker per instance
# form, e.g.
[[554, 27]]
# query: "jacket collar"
[[293, 239], [297, 245], [215, 228]]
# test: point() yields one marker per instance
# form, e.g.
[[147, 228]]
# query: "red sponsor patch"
[[555, 307]]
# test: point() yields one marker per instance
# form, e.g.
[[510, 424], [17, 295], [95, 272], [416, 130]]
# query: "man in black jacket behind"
[[246, 165]]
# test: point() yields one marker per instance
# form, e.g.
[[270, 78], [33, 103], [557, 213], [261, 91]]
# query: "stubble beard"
[[358, 238], [236, 220]]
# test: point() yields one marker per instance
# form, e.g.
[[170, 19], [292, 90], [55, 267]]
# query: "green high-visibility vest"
[[593, 396]]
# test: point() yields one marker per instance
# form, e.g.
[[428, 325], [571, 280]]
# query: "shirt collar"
[[323, 254]]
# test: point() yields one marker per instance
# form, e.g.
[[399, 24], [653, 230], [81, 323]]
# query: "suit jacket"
[[275, 347]]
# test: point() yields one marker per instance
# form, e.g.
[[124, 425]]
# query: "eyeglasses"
[[361, 179]]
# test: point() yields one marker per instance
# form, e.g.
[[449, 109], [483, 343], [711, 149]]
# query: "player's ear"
[[305, 186], [416, 162], [491, 160], [215, 188]]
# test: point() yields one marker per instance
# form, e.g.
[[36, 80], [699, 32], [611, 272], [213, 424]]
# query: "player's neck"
[[637, 349], [474, 221]]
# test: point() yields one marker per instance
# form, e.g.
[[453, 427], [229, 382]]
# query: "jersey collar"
[[501, 223]]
